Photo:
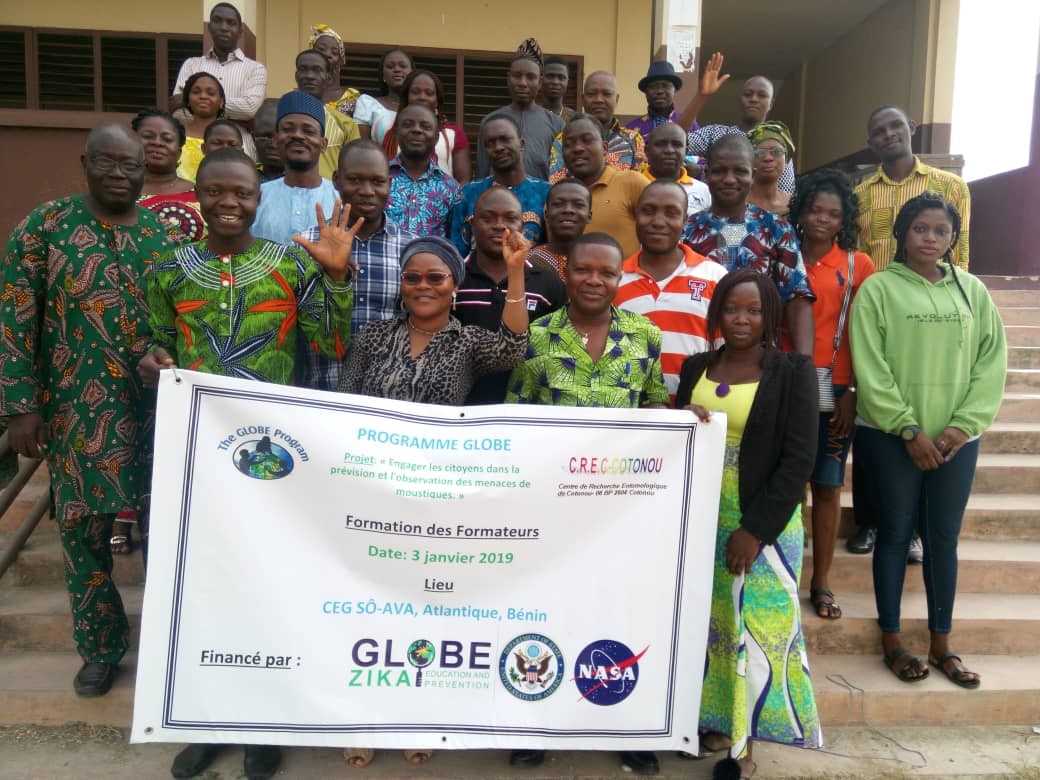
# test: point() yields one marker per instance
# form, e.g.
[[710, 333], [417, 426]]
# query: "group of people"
[[662, 264]]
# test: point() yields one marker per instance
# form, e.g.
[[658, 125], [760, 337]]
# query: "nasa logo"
[[607, 671], [697, 289], [531, 667]]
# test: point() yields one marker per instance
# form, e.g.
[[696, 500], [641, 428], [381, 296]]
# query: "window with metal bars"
[[90, 70], [474, 81]]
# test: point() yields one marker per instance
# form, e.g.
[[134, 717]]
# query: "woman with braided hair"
[[823, 212], [930, 357], [452, 150]]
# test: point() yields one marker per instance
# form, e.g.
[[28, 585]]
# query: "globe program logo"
[[263, 459]]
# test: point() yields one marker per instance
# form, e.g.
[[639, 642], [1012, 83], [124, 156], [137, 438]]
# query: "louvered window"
[[177, 51], [13, 90], [66, 71], [128, 80], [87, 70], [474, 82]]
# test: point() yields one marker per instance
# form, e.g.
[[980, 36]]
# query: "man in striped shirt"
[[900, 177], [244, 80], [667, 281]]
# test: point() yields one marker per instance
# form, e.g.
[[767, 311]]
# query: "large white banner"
[[327, 569]]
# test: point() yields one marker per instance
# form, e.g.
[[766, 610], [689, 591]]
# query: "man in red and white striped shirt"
[[666, 281], [244, 80]]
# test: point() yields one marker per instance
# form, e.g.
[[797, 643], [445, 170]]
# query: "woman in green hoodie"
[[930, 357]]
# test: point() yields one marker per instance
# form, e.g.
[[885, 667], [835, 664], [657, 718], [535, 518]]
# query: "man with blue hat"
[[659, 85], [287, 204]]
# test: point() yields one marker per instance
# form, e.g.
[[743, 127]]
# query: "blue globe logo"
[[263, 459]]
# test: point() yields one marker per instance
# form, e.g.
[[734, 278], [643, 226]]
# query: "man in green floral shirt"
[[590, 353], [232, 304], [73, 323]]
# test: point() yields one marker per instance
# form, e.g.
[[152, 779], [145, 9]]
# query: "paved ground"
[[80, 752]]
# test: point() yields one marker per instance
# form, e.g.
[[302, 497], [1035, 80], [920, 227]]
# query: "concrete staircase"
[[997, 615], [997, 620]]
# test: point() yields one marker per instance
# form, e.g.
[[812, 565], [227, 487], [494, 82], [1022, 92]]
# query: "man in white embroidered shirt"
[[244, 80]]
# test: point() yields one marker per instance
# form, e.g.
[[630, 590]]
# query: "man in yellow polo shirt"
[[900, 177], [614, 193]]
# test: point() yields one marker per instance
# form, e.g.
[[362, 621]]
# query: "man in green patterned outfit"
[[590, 353], [73, 324], [232, 304]]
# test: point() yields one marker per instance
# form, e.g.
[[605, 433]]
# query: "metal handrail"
[[24, 531]]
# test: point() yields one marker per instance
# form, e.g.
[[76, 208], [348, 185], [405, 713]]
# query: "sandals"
[[824, 604], [905, 671], [122, 541], [961, 676], [359, 758]]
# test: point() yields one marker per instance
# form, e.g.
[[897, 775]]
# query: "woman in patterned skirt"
[[756, 682]]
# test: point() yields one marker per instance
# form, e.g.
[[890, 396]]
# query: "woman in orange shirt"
[[824, 211]]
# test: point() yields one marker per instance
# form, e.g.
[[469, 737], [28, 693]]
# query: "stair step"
[[1004, 517], [1009, 694], [40, 561], [1023, 357], [1022, 335], [1021, 315], [982, 623], [38, 617], [1022, 380], [1012, 437], [38, 485], [1019, 407], [1014, 298], [998, 472], [983, 567], [36, 688]]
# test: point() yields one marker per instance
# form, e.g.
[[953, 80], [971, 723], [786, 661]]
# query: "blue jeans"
[[930, 502]]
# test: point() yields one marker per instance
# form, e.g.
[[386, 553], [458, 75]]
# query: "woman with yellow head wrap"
[[329, 44], [773, 148]]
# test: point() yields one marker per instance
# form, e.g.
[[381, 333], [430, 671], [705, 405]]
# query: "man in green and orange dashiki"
[[231, 304]]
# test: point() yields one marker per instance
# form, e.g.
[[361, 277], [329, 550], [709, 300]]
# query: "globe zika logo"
[[607, 671], [380, 666]]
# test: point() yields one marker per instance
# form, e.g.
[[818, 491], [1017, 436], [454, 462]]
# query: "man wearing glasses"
[[74, 324]]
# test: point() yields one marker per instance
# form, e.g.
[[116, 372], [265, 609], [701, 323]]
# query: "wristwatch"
[[909, 433]]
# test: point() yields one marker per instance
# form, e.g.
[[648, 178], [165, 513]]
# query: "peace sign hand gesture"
[[335, 242]]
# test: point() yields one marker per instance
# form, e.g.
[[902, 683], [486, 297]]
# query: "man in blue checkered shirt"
[[363, 182]]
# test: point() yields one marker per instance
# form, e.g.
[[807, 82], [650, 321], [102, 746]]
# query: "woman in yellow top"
[[329, 44], [756, 680], [205, 103]]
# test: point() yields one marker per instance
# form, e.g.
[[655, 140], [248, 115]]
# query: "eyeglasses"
[[432, 278], [107, 165], [264, 138], [776, 151]]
